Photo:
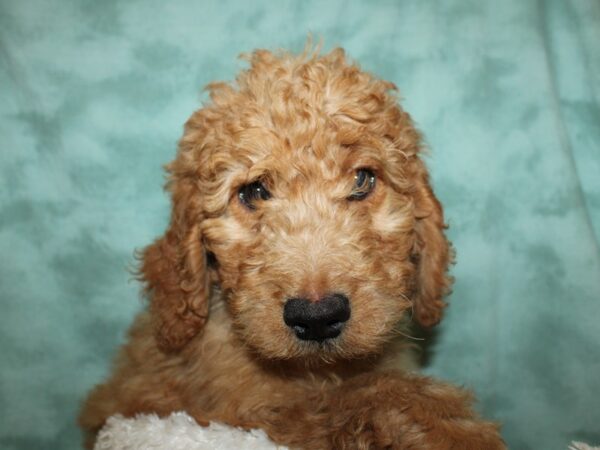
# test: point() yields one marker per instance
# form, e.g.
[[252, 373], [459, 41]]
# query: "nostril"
[[300, 330]]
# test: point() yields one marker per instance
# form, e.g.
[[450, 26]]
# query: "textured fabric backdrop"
[[93, 95]]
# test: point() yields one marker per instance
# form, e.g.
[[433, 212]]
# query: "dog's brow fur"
[[213, 341]]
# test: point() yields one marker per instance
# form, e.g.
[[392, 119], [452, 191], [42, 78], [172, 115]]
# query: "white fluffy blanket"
[[177, 432], [581, 446]]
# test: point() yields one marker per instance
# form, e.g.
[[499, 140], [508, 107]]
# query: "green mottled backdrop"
[[93, 95]]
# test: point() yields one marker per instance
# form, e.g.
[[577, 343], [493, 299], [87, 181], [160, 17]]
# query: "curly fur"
[[213, 342]]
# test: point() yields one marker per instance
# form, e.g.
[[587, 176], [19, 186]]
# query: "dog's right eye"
[[250, 193]]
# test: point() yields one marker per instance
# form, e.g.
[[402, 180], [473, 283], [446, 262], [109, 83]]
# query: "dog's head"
[[300, 190]]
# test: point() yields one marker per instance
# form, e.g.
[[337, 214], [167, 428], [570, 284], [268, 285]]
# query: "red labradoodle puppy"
[[303, 232]]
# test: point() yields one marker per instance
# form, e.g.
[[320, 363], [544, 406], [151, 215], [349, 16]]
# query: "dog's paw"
[[394, 412], [390, 428]]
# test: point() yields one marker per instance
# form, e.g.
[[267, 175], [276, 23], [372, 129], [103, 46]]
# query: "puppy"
[[304, 236]]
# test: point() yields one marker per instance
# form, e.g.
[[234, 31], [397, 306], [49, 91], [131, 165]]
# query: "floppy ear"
[[174, 271], [432, 253]]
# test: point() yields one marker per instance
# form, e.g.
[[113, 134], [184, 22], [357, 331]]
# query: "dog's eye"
[[364, 183], [250, 193]]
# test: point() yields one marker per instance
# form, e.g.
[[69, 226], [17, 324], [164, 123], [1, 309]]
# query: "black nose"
[[317, 321]]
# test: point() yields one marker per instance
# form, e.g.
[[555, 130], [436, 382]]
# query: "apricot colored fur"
[[213, 342]]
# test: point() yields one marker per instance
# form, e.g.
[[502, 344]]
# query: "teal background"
[[93, 95]]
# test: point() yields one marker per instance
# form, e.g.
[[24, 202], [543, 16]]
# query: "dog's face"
[[306, 223], [305, 186]]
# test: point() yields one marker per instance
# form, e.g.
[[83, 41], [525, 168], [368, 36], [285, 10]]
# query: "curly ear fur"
[[174, 271], [432, 252]]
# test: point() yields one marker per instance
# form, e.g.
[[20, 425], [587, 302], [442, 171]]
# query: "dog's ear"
[[173, 269], [432, 253]]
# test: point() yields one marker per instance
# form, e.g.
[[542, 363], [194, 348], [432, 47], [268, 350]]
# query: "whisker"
[[408, 336]]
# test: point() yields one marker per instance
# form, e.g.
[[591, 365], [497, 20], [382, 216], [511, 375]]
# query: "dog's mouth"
[[317, 352]]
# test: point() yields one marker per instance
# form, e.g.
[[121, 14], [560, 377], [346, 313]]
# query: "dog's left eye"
[[364, 183], [250, 193]]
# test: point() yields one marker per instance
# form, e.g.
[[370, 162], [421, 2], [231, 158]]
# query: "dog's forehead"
[[320, 153], [315, 142]]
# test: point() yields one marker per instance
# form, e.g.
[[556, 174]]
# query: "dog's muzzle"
[[317, 321]]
